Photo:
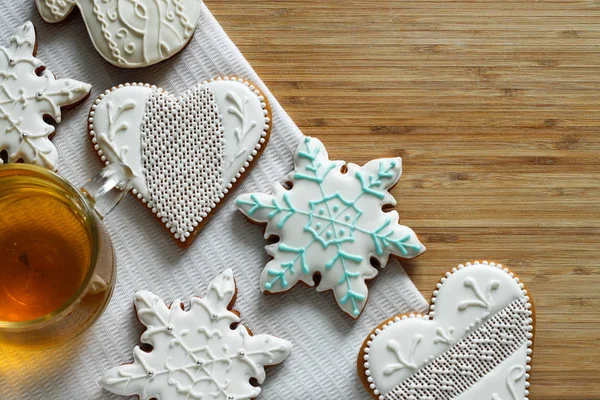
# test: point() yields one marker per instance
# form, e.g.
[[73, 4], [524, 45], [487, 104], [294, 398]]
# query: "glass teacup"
[[57, 262]]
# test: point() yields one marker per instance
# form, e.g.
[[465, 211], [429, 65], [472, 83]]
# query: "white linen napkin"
[[326, 342]]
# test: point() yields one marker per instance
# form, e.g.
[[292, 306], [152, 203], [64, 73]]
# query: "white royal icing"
[[28, 92], [508, 380], [131, 33], [196, 354], [116, 118], [185, 152], [245, 120], [474, 344], [331, 223]]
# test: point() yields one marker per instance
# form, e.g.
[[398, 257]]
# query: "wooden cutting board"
[[494, 107]]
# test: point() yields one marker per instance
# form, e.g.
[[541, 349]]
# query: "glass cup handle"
[[108, 187]]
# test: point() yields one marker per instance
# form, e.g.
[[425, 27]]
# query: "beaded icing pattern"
[[484, 349], [186, 153], [183, 189]]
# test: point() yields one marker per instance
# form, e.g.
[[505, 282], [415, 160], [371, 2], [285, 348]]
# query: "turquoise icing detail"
[[330, 224], [376, 181], [332, 220]]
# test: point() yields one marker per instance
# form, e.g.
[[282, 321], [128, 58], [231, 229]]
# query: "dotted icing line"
[[238, 175], [182, 196], [431, 314]]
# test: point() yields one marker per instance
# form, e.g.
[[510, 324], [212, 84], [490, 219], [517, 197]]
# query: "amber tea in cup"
[[45, 249], [57, 263]]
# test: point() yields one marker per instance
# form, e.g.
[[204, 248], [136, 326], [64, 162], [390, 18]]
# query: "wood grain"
[[494, 107]]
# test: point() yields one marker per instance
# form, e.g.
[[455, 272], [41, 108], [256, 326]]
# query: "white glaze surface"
[[456, 293], [116, 122], [186, 152], [245, 120], [131, 33], [466, 302], [506, 382], [196, 354], [331, 223], [150, 260], [26, 97], [412, 352]]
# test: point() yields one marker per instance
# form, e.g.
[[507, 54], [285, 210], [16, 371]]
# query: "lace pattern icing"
[[182, 146], [469, 360], [186, 152], [475, 342]]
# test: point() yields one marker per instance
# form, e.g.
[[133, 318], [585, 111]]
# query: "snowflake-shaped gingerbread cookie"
[[331, 223], [196, 354], [28, 93]]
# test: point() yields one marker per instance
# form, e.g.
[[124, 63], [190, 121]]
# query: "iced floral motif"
[[28, 92], [331, 222], [402, 363], [196, 354], [131, 33], [186, 152], [454, 352]]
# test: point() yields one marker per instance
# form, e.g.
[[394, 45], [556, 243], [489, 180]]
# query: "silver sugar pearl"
[[150, 374], [241, 354], [40, 94], [215, 316], [199, 363], [169, 328]]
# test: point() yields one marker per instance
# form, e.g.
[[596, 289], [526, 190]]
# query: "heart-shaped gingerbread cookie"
[[475, 344], [186, 152]]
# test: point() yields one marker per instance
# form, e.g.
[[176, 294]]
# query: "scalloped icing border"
[[363, 355], [237, 178]]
